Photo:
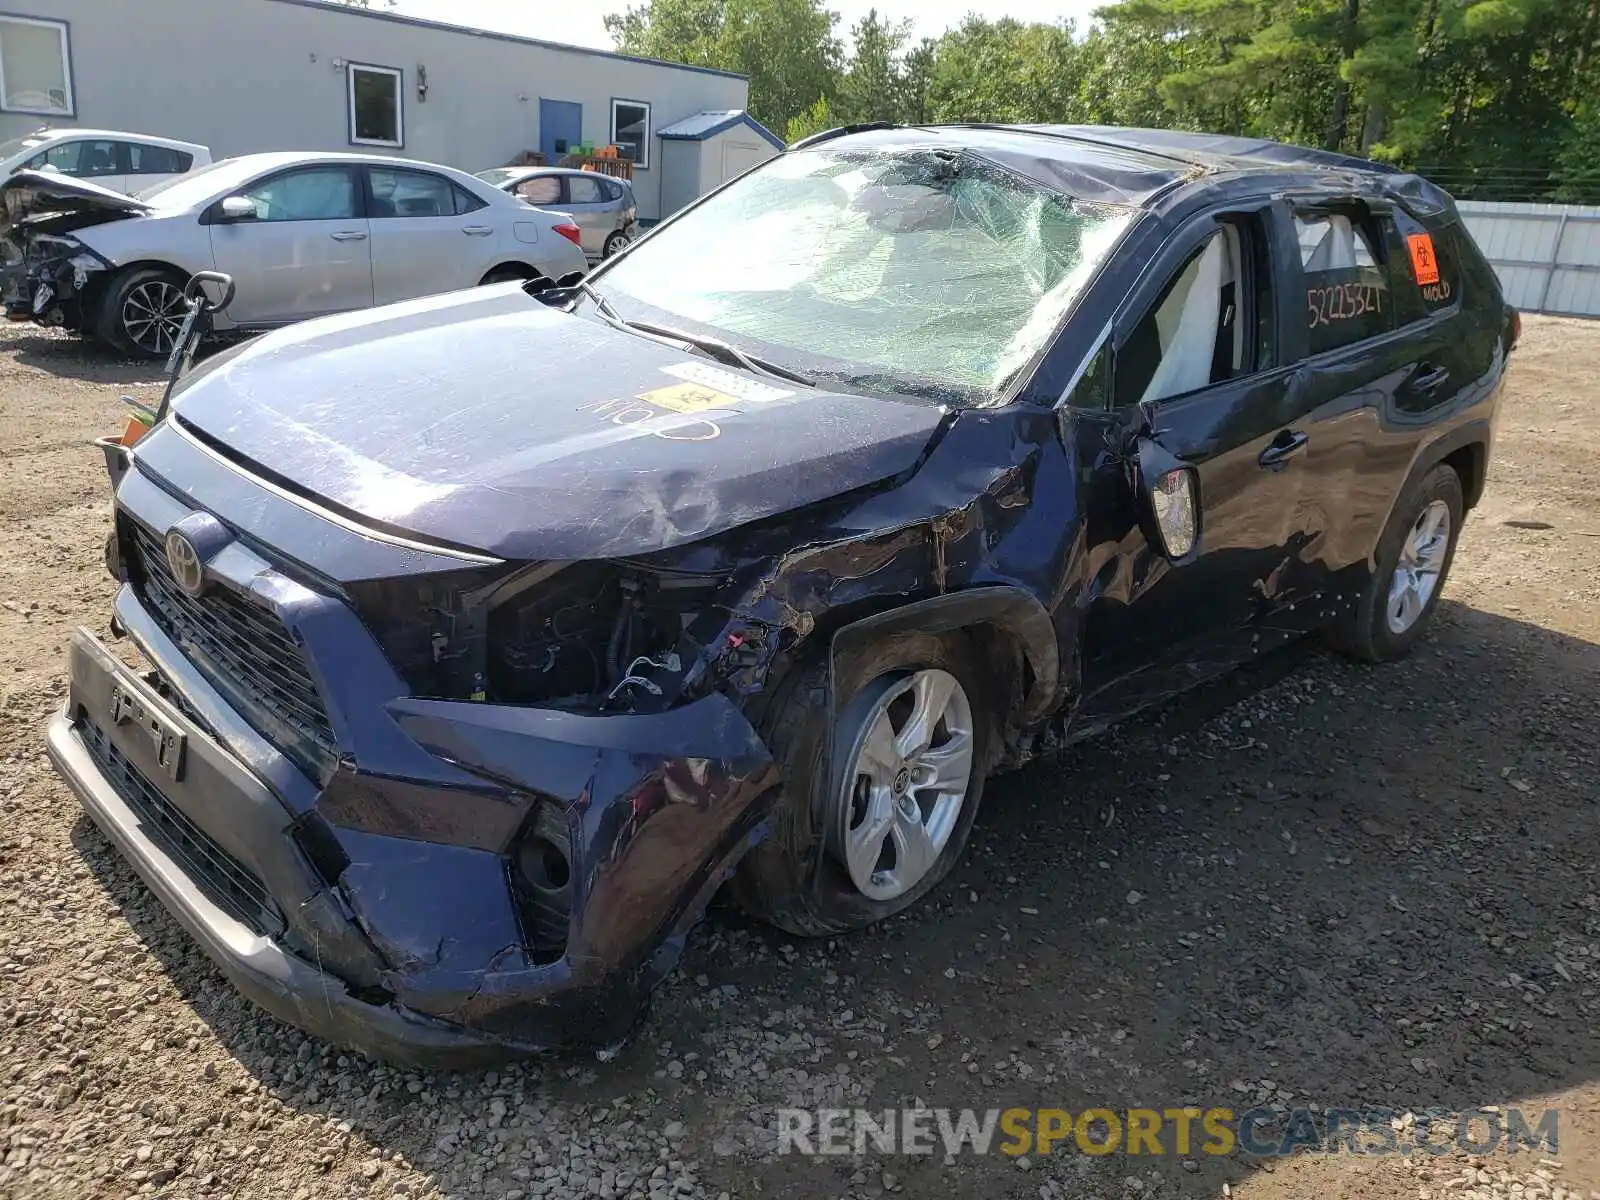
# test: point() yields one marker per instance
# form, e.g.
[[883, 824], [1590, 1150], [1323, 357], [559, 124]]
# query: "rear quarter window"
[[1426, 266], [1347, 293]]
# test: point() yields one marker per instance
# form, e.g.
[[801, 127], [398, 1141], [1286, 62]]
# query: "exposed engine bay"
[[605, 636]]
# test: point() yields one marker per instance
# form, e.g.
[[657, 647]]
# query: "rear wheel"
[[615, 244], [144, 311], [867, 838], [1414, 557]]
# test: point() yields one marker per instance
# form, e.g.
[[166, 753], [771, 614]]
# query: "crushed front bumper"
[[411, 946]]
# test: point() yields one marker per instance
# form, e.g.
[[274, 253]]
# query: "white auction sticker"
[[727, 381]]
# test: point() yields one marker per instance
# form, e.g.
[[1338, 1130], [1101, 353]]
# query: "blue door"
[[560, 128]]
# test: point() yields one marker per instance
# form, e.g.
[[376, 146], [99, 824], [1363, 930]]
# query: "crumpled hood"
[[32, 194], [486, 420]]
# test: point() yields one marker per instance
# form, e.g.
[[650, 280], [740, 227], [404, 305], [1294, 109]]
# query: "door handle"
[[1429, 380], [476, 230], [1284, 447], [348, 235]]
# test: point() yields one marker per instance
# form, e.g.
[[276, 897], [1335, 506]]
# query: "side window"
[[316, 194], [541, 189], [1211, 323], [63, 157], [401, 193], [1347, 297], [100, 158], [1426, 266], [156, 160], [466, 202], [583, 190]]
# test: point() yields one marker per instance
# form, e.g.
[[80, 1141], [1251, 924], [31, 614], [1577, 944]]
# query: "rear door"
[[305, 253], [1378, 358], [428, 235], [1195, 364], [593, 209]]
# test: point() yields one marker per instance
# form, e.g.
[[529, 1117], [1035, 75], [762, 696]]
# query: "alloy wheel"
[[152, 315], [909, 772], [1422, 558]]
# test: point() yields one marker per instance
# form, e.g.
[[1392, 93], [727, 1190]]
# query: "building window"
[[630, 130], [375, 107], [35, 67]]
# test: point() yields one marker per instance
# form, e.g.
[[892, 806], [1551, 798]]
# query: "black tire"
[[791, 879], [505, 273], [615, 244], [129, 294], [1364, 633]]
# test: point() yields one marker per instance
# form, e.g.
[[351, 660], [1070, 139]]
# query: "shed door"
[[560, 129]]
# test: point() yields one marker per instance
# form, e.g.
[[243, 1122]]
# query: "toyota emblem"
[[184, 560]]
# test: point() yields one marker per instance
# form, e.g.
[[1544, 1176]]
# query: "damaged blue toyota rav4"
[[484, 637]]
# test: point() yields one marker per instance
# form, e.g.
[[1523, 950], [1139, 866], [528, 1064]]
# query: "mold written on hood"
[[416, 418]]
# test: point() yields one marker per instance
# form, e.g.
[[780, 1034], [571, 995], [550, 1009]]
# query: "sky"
[[581, 22]]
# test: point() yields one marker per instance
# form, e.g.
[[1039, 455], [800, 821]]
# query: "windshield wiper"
[[727, 352], [605, 308], [715, 347]]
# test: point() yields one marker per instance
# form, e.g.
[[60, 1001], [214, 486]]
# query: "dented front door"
[[1155, 627]]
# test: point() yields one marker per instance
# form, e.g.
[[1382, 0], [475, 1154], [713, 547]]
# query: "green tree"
[[686, 31], [917, 79], [873, 85], [814, 120], [786, 47]]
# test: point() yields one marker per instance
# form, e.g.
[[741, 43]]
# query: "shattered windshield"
[[917, 272]]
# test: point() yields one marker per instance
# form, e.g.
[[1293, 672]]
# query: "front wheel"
[[1413, 561], [867, 835], [144, 312]]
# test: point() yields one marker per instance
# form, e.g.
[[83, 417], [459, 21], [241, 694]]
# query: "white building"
[[249, 75]]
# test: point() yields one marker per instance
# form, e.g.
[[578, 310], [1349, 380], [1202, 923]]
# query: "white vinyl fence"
[[1546, 255]]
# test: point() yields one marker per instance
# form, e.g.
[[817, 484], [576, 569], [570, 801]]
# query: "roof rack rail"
[[827, 135]]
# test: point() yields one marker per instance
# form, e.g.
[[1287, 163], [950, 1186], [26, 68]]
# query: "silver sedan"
[[302, 234], [603, 207]]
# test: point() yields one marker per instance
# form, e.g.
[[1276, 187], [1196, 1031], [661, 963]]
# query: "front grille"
[[224, 879], [246, 654]]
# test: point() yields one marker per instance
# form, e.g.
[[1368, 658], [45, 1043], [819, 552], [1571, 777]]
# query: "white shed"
[[704, 150]]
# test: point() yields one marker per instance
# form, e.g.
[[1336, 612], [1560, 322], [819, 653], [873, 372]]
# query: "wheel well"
[[96, 317], [1471, 465], [521, 269], [104, 279], [1013, 631]]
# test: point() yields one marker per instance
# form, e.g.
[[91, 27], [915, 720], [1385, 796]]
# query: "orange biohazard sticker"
[[1423, 264]]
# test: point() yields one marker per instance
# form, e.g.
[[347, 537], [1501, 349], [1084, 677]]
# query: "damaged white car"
[[302, 235]]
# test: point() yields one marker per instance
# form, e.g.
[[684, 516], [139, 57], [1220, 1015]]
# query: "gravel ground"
[[1313, 883]]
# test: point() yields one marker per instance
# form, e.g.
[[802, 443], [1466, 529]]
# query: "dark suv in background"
[[489, 635]]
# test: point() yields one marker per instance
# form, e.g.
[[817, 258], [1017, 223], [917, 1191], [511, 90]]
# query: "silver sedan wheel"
[[1416, 575], [907, 778], [152, 315]]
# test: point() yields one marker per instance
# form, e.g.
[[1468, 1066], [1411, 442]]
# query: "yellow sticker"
[[688, 398]]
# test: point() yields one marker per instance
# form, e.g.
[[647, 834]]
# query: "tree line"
[[1495, 99]]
